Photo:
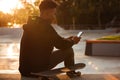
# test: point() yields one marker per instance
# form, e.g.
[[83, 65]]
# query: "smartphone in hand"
[[79, 34]]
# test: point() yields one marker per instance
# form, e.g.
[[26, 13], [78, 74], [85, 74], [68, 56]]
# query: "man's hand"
[[75, 39]]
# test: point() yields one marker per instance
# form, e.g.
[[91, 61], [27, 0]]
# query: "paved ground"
[[64, 77], [9, 53]]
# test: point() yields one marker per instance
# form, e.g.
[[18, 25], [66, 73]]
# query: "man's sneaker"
[[73, 74]]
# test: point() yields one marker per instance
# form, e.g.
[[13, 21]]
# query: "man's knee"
[[69, 52]]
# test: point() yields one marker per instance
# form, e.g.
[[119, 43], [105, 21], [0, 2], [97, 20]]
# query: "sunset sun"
[[6, 6]]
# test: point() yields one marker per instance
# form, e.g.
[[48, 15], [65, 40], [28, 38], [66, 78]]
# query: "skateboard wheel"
[[78, 73]]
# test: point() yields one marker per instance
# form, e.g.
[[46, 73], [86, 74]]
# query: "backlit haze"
[[7, 6]]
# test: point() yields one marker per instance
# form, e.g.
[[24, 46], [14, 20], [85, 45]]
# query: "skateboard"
[[51, 74]]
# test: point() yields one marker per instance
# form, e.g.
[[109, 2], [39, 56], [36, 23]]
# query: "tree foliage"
[[88, 12], [69, 12], [21, 15], [4, 19]]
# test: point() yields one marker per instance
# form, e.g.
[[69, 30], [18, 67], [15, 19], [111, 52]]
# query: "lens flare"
[[7, 6]]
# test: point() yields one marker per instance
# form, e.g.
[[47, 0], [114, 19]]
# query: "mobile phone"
[[79, 34]]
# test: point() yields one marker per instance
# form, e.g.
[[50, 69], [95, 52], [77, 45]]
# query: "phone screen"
[[79, 34]]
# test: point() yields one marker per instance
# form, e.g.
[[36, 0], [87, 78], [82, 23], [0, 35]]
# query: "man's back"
[[35, 46]]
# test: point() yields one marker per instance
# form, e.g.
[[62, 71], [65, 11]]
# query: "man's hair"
[[47, 4]]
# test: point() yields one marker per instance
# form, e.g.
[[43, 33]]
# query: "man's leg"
[[66, 55], [58, 56]]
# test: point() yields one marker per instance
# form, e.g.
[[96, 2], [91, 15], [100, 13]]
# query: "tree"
[[4, 19], [29, 9]]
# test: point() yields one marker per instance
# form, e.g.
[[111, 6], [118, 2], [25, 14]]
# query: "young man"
[[39, 39]]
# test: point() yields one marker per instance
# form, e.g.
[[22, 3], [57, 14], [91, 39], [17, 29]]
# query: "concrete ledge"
[[102, 48]]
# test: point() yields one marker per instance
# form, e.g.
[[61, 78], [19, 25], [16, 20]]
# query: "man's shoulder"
[[36, 20]]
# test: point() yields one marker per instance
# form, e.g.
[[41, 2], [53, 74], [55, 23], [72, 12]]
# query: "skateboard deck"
[[54, 72]]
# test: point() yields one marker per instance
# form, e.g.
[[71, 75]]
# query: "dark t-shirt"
[[37, 43]]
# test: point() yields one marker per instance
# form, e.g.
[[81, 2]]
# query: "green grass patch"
[[116, 37]]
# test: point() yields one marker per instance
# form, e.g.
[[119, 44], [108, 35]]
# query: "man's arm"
[[63, 43]]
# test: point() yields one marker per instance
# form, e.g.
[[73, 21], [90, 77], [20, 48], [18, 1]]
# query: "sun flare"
[[7, 6]]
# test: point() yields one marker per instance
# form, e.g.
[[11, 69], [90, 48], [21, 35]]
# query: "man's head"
[[47, 4], [48, 9]]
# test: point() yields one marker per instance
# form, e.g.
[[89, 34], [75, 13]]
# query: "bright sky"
[[7, 6]]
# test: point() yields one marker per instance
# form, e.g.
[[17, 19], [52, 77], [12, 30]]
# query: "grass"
[[115, 37]]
